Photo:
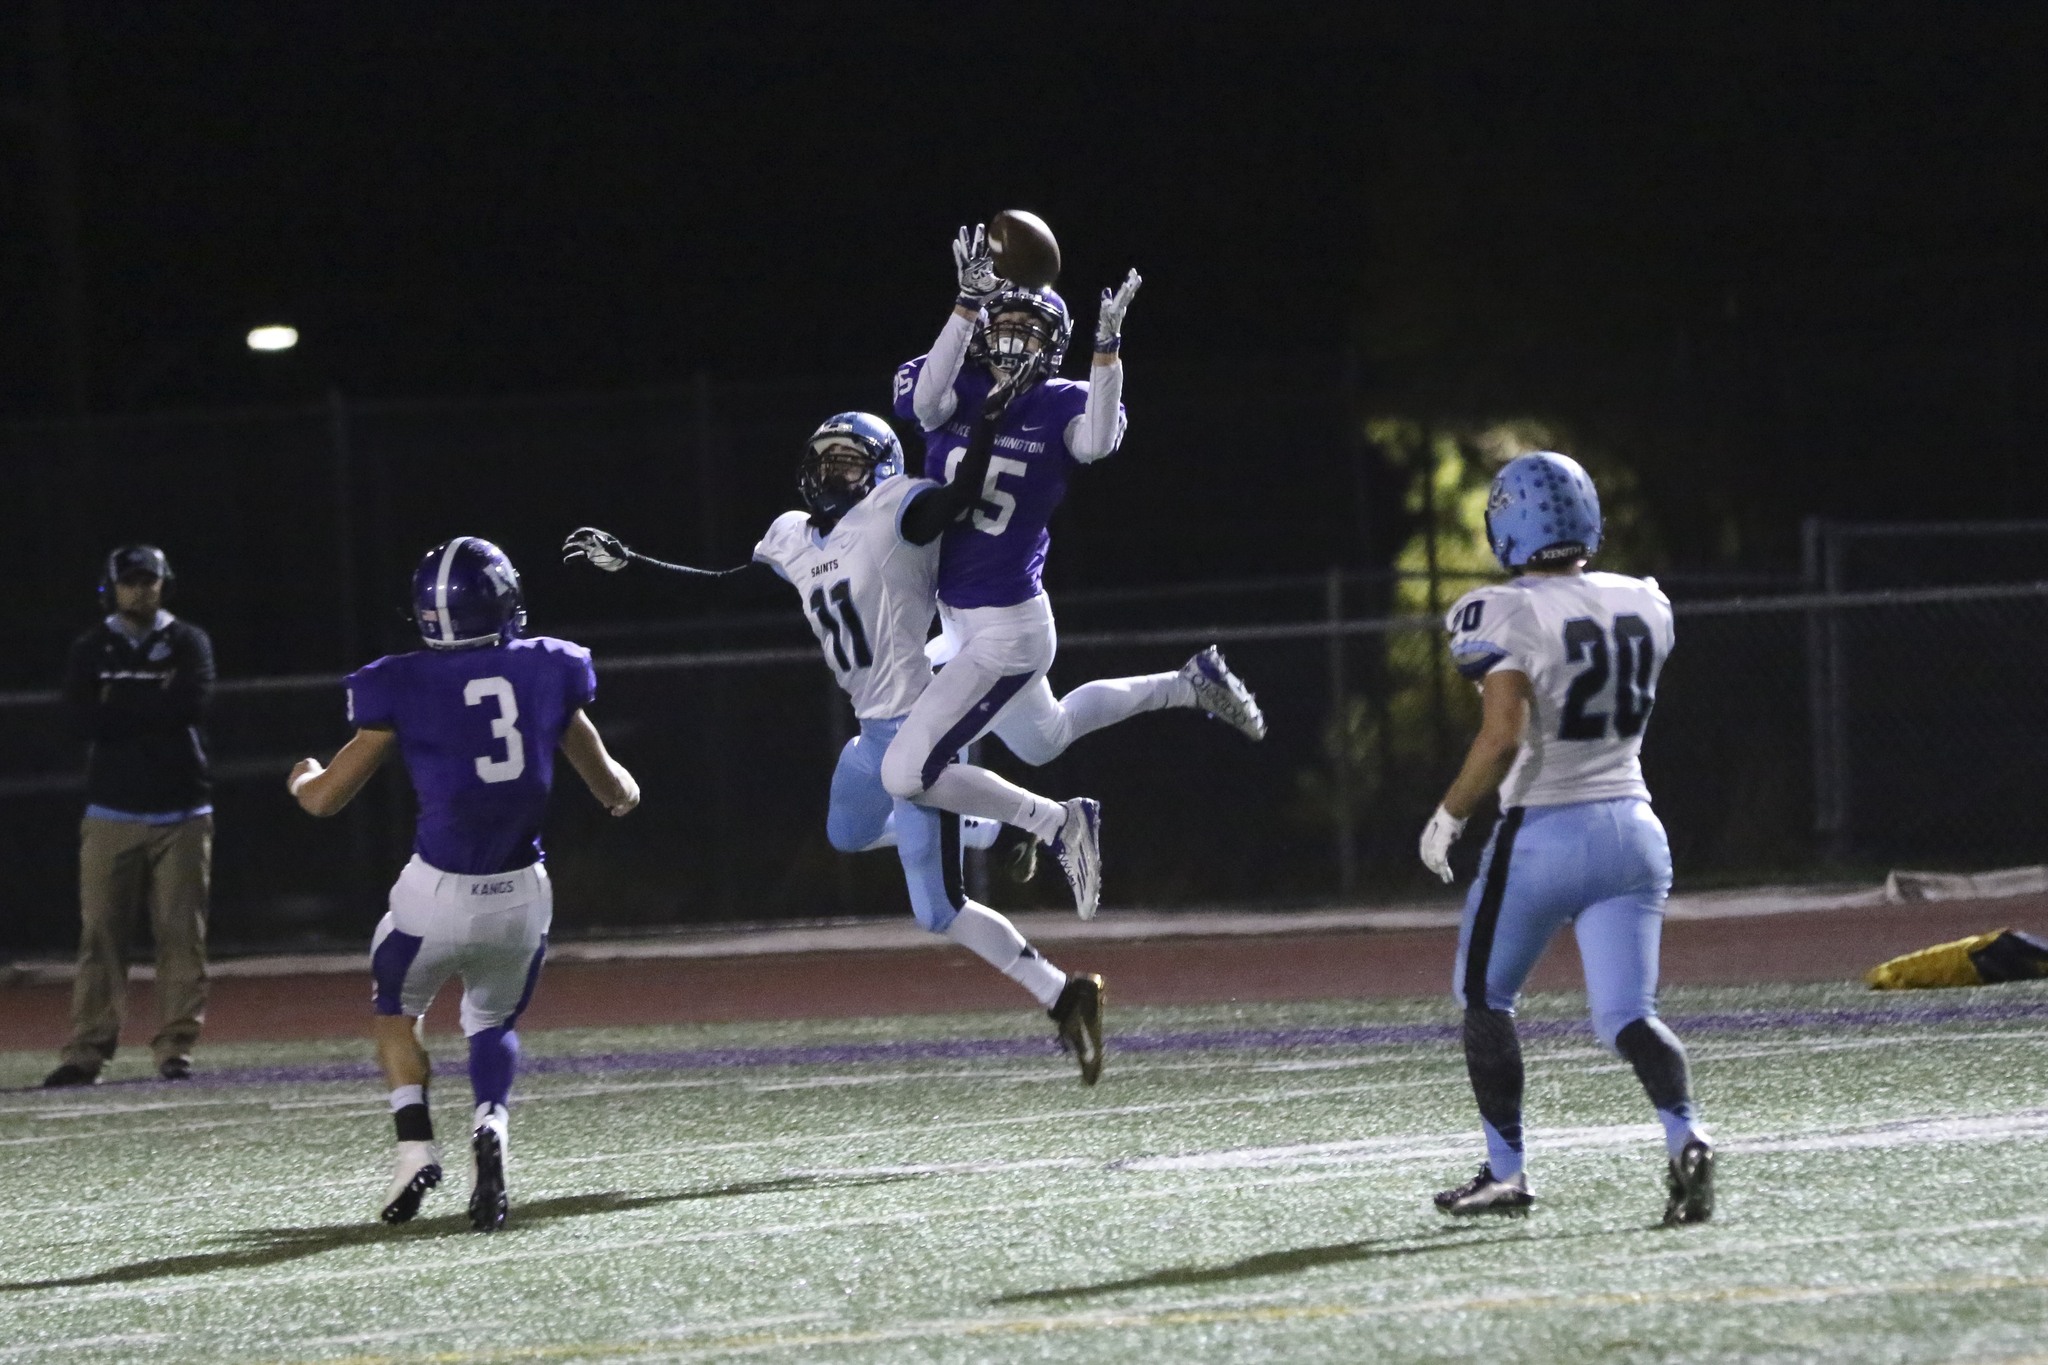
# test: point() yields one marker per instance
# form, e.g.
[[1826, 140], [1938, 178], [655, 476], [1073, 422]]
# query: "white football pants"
[[492, 931], [996, 683]]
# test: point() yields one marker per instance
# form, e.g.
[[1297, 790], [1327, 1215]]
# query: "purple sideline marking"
[[1367, 1035]]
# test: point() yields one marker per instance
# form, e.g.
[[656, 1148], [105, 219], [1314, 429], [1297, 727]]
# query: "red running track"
[[1834, 945]]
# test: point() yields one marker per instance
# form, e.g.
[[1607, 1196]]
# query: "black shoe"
[[487, 1201], [1078, 1016], [1016, 854], [175, 1068], [71, 1073], [1483, 1194], [1692, 1185]]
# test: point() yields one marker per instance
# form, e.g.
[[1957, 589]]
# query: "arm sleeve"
[[371, 705], [740, 585], [82, 690], [931, 510], [579, 687], [1489, 630], [185, 699], [932, 400], [1099, 429]]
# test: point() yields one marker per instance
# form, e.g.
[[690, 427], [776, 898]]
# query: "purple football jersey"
[[995, 559], [478, 728]]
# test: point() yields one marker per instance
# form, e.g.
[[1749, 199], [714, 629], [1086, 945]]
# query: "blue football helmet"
[[465, 593], [844, 460], [1542, 511], [1010, 316]]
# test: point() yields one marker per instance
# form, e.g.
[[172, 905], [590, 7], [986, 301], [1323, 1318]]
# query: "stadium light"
[[274, 337]]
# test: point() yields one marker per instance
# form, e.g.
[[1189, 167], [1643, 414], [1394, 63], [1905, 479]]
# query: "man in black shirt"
[[136, 686]]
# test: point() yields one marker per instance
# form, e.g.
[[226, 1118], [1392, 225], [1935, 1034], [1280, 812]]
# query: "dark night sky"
[[1779, 253]]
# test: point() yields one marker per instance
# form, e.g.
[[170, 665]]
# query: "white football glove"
[[975, 264], [1109, 318], [1438, 835], [599, 547]]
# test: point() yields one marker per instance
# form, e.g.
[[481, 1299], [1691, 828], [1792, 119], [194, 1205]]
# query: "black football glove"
[[601, 548]]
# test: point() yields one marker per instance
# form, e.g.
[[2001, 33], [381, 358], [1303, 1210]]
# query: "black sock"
[[1493, 1059], [1659, 1059], [414, 1123]]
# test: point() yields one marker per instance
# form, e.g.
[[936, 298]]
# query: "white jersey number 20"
[[505, 727]]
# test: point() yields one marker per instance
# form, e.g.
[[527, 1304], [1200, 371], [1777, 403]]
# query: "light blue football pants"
[[927, 840], [1603, 867]]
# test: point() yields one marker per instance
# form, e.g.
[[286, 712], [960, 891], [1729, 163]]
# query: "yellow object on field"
[[1945, 964]]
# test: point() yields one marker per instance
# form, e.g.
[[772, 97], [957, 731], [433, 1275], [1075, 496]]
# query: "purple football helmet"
[[1009, 316], [465, 593]]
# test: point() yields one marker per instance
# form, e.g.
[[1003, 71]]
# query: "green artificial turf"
[[1879, 1199]]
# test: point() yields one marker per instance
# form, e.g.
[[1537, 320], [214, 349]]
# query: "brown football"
[[1026, 252]]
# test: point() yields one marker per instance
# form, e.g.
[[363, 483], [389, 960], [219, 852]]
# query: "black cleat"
[[416, 1168], [1483, 1194], [175, 1068], [487, 1201], [1016, 853], [71, 1073], [1077, 1014], [1692, 1185]]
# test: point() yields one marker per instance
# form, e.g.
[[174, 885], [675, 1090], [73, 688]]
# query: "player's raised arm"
[[1099, 429], [932, 399], [606, 551], [324, 791], [606, 777]]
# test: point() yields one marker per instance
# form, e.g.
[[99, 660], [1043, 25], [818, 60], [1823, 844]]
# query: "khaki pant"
[[123, 866]]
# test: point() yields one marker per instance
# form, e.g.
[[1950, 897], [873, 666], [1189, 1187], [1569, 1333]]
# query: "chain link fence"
[[1794, 736]]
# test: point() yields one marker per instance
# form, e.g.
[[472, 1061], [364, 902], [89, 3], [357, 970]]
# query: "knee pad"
[[841, 834], [901, 775]]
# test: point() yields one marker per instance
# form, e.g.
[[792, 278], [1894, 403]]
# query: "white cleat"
[[415, 1170], [1223, 694], [1078, 848], [1483, 1194]]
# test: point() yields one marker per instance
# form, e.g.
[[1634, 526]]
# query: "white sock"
[[492, 1113], [403, 1095], [976, 832], [1106, 701], [996, 941], [968, 790]]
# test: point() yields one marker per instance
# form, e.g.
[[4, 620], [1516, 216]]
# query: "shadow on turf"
[[259, 1247], [1268, 1263]]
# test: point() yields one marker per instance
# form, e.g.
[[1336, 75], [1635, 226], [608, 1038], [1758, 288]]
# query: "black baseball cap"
[[132, 562]]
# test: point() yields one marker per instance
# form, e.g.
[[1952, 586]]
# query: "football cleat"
[[1692, 1185], [175, 1068], [71, 1073], [487, 1201], [1223, 694], [1016, 853], [1078, 848], [1078, 1016], [1483, 1194], [416, 1170]]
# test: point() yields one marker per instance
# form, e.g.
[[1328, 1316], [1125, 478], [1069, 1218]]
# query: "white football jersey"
[[868, 594], [1592, 646]]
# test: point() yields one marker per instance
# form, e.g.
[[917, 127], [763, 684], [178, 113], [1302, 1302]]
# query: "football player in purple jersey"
[[478, 715], [998, 620], [863, 555]]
